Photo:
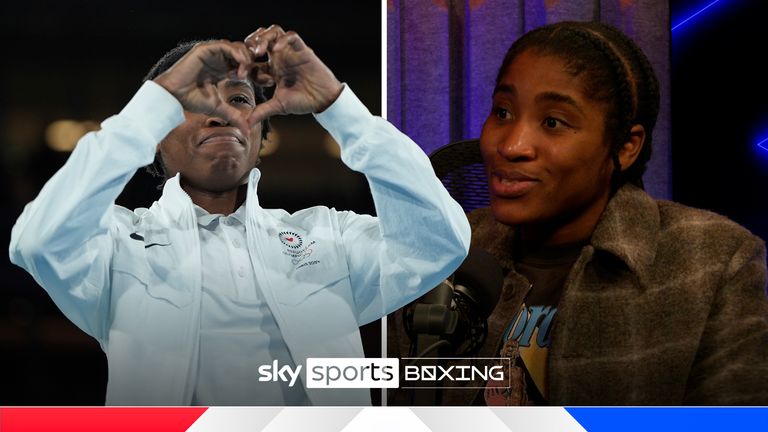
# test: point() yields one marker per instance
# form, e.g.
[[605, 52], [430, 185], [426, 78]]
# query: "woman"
[[611, 297]]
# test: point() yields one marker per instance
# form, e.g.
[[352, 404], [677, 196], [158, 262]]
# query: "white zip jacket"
[[132, 279]]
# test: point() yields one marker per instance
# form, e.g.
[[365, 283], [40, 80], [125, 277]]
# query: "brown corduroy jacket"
[[666, 306]]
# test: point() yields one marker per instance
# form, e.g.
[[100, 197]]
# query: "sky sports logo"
[[389, 373]]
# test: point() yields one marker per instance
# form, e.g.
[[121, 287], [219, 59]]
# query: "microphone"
[[481, 279], [477, 288], [455, 313]]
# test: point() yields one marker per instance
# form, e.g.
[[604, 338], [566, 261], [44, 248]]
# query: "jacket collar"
[[176, 205], [628, 229], [492, 236]]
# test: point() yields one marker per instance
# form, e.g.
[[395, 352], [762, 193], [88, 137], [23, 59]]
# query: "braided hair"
[[157, 167], [615, 71]]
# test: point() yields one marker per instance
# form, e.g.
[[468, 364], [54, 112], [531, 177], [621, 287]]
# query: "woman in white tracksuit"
[[189, 297]]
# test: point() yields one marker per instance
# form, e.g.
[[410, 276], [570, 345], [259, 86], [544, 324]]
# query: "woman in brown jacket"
[[610, 297]]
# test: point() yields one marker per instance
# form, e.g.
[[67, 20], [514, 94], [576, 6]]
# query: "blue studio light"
[[694, 14], [763, 144]]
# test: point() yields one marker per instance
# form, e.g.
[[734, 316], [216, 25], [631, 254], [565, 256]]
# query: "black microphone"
[[456, 311], [478, 283], [481, 279]]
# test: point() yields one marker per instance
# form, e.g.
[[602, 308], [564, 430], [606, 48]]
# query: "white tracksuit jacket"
[[143, 303]]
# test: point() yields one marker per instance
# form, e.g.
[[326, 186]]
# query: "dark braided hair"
[[615, 71], [157, 168]]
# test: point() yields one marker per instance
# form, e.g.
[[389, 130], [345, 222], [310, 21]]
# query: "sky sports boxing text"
[[389, 372]]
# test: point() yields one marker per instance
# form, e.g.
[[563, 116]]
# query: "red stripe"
[[102, 419]]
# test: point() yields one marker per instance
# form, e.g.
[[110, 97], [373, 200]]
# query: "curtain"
[[443, 57]]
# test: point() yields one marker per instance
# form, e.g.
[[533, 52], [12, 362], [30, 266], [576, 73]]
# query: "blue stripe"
[[671, 419]]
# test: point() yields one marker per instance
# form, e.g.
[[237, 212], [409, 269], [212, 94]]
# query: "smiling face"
[[545, 150], [210, 152]]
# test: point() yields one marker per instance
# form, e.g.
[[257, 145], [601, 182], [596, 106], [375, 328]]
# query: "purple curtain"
[[443, 56]]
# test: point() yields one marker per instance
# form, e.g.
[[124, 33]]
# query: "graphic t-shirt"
[[527, 337]]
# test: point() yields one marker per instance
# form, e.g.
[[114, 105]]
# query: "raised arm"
[[64, 237], [420, 234]]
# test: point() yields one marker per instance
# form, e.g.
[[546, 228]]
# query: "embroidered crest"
[[291, 239], [297, 249]]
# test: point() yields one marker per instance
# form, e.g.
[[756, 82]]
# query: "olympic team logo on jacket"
[[291, 239], [297, 249]]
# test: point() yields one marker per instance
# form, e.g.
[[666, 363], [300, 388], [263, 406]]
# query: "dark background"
[[720, 109], [84, 61]]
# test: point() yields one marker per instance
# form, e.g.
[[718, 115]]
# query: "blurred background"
[[66, 66]]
